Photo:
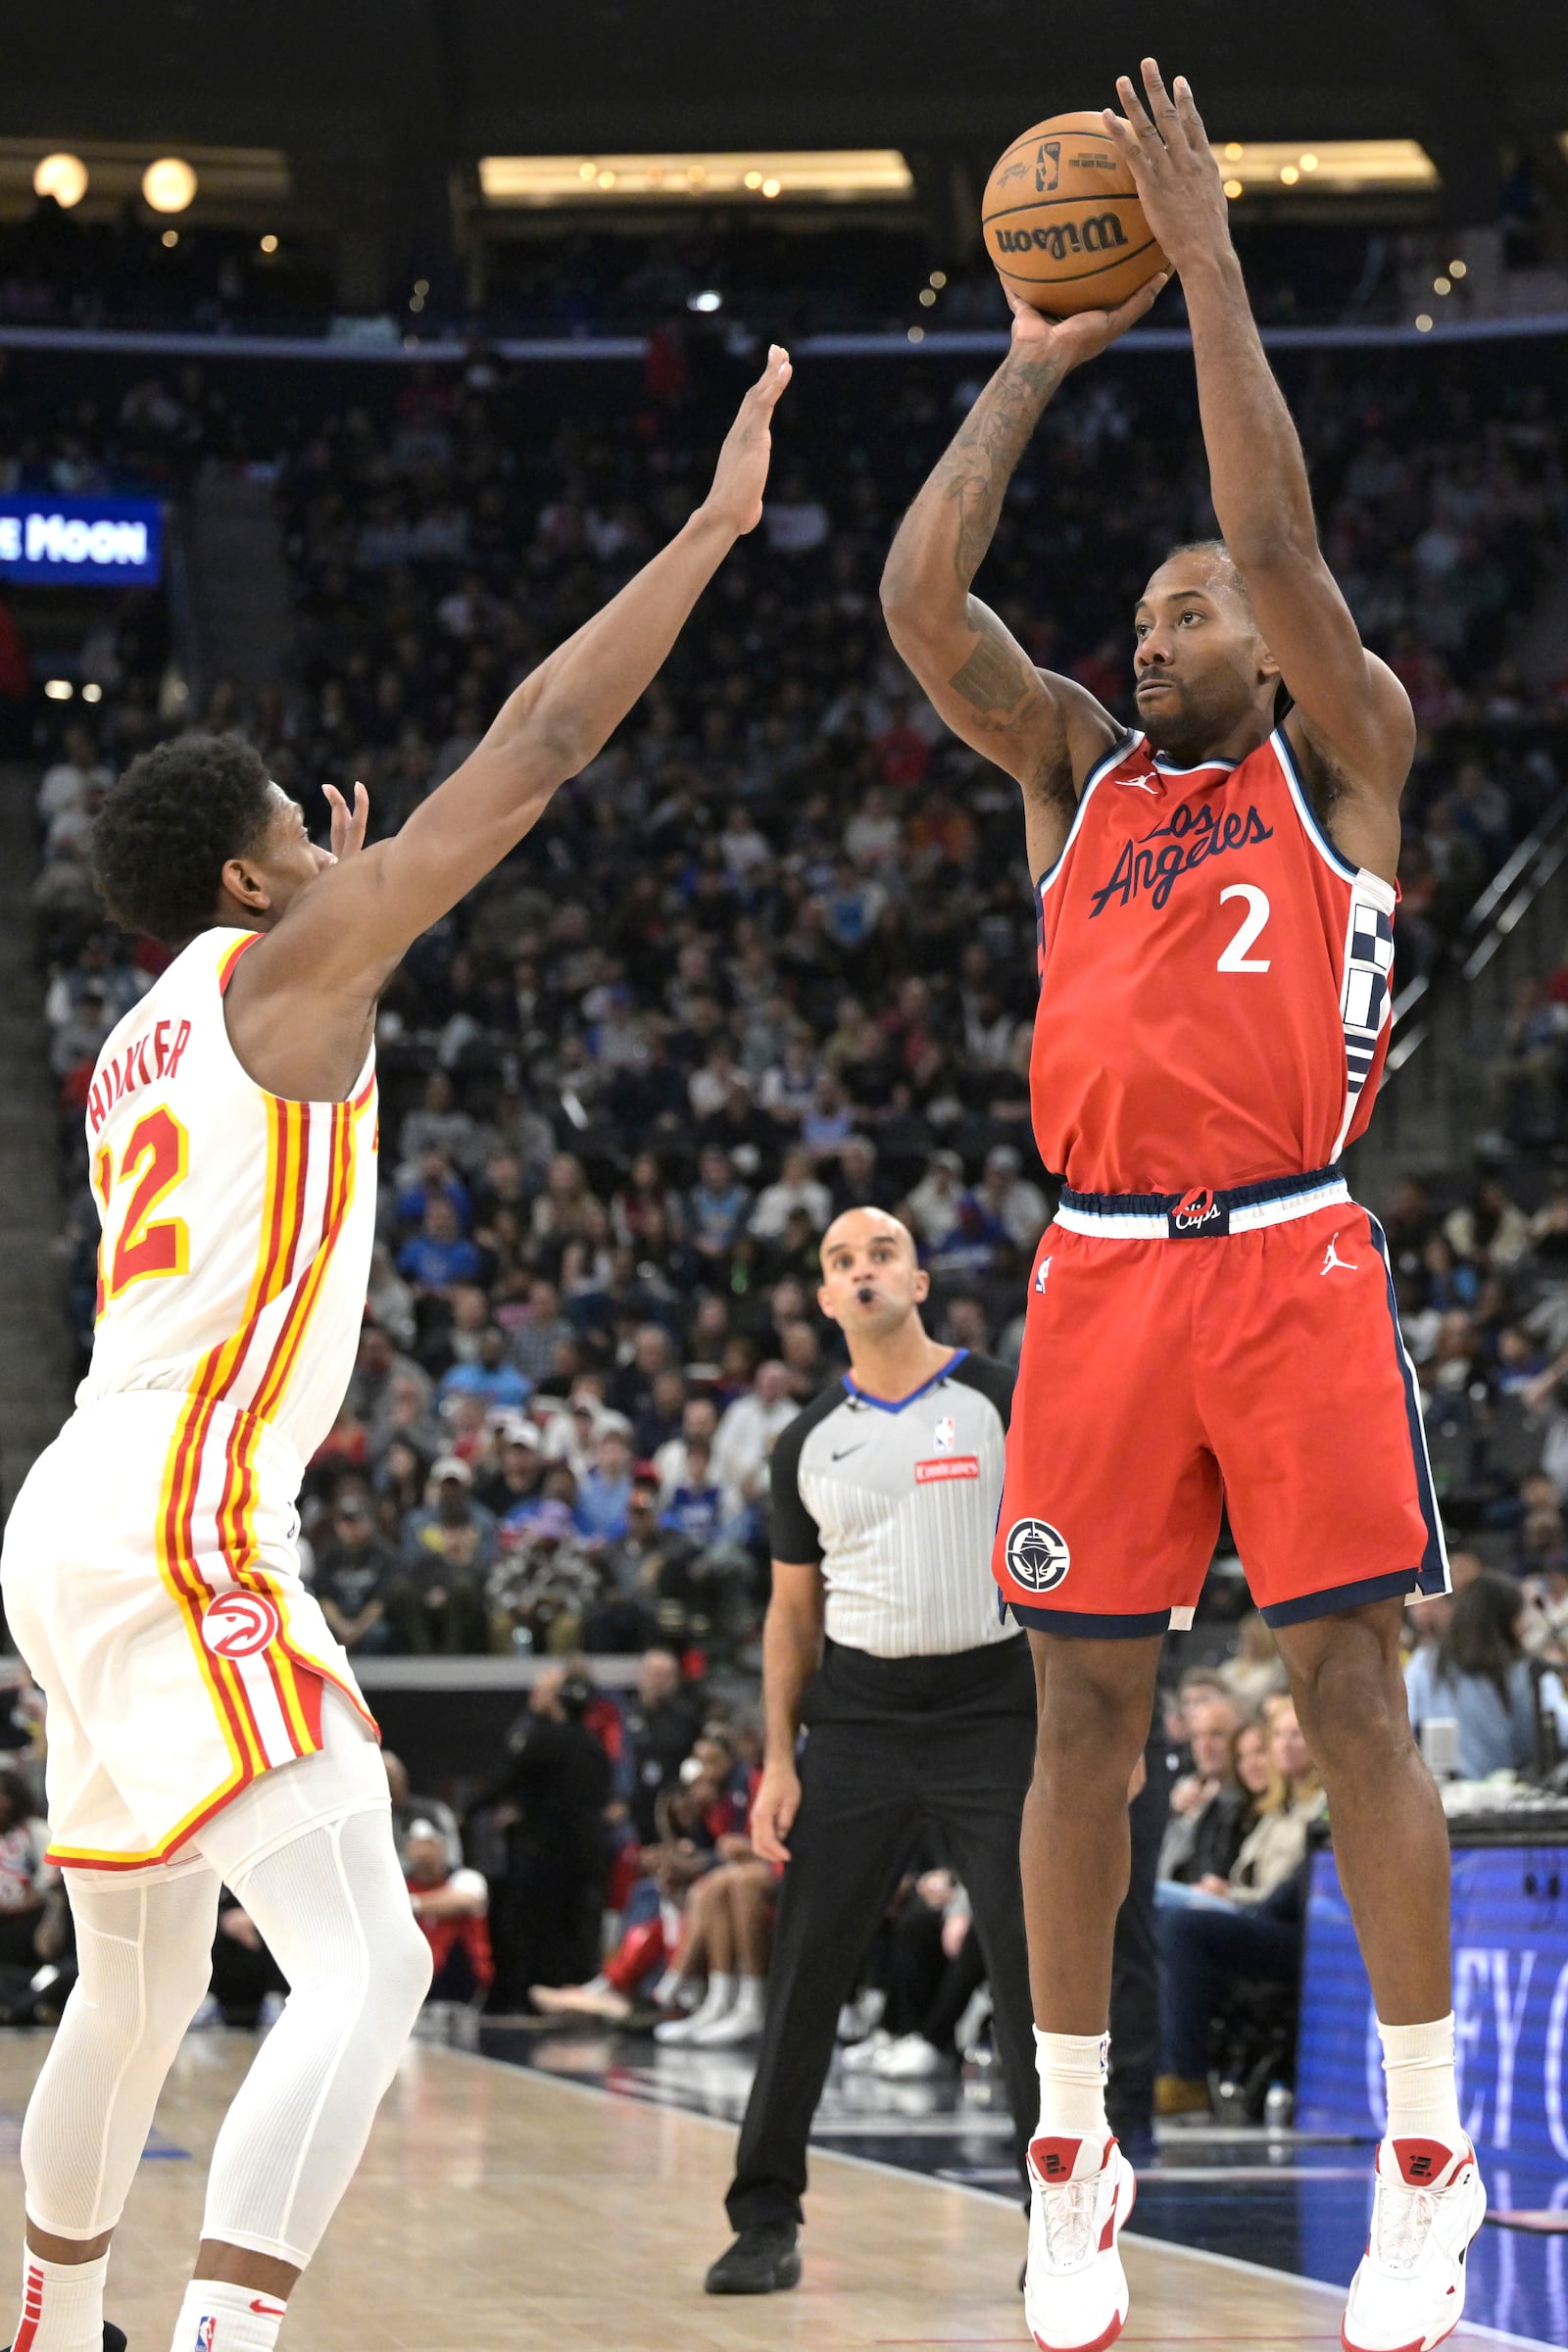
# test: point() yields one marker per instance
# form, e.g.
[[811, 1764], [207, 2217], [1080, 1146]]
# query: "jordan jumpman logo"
[[1333, 1259]]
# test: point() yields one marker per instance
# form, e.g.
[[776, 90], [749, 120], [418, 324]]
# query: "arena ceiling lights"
[[1325, 166], [814, 176], [227, 183]]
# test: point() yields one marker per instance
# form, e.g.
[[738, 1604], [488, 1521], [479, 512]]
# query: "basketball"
[[1062, 220]]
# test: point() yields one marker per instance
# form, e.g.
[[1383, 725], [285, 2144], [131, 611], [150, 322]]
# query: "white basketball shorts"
[[152, 1584]]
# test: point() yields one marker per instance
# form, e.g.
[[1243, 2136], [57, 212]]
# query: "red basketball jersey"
[[1215, 980]]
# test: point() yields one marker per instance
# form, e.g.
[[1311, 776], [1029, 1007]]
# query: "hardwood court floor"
[[497, 2210]]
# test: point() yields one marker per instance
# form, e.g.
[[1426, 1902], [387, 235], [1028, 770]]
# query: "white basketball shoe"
[[1075, 2289], [1409, 2291]]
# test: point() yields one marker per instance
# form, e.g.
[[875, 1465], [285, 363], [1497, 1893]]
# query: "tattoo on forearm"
[[991, 681], [962, 499], [977, 468]]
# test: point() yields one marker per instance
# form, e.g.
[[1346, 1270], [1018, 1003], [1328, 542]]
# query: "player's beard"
[[1188, 719]]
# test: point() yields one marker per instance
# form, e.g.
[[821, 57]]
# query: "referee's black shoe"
[[113, 2339], [760, 2262]]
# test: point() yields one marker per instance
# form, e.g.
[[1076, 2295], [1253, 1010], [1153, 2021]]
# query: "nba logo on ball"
[[239, 1624], [1036, 1555], [945, 1434]]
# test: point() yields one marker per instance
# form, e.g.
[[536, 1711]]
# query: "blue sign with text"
[[1511, 2006], [84, 542]]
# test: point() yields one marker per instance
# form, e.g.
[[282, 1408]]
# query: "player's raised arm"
[[332, 951], [1045, 730], [1350, 710]]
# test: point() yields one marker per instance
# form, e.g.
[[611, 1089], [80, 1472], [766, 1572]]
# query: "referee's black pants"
[[894, 1745]]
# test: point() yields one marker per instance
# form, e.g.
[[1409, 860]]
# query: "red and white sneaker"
[[1409, 2291], [1075, 2289]]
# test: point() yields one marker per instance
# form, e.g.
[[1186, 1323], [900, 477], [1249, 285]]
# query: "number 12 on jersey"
[[154, 1161]]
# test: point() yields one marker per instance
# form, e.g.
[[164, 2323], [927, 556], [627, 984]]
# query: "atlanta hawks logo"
[[241, 1625], [1036, 1555]]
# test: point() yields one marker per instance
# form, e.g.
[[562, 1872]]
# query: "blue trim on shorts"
[[1342, 1596], [1080, 1628], [1235, 1196], [1433, 1574]]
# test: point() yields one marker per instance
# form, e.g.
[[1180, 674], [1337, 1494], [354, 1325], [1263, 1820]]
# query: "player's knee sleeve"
[[333, 1909], [144, 1956]]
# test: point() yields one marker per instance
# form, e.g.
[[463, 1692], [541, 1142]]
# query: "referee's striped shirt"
[[897, 1503]]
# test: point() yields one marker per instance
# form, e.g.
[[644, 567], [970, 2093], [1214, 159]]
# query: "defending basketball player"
[[1210, 1310], [151, 1577]]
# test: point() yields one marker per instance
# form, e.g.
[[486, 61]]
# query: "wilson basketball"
[[1062, 220]]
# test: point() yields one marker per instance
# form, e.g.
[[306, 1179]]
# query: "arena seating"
[[774, 951]]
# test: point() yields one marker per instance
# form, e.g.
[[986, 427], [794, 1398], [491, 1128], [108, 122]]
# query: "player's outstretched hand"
[[348, 824], [1163, 142], [1068, 342], [736, 498]]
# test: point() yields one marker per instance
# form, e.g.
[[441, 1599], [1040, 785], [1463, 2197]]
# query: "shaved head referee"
[[883, 1637]]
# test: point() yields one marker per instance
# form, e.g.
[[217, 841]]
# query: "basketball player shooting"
[[203, 1726], [1210, 1314]]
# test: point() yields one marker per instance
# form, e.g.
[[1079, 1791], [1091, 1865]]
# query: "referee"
[[883, 1637]]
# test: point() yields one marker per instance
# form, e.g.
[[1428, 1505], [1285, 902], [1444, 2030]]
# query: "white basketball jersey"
[[237, 1227]]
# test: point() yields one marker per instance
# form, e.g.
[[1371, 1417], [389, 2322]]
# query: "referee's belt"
[[1201, 1214]]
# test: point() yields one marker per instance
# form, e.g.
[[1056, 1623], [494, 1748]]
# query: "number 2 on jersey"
[[1235, 958], [159, 1149]]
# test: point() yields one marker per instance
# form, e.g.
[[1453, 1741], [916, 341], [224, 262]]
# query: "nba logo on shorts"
[[240, 1623], [206, 2334], [946, 1434], [1036, 1555]]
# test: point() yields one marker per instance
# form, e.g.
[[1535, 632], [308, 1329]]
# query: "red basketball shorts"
[[1237, 1347]]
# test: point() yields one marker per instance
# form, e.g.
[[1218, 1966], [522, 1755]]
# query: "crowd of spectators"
[[783, 277], [773, 954], [770, 955]]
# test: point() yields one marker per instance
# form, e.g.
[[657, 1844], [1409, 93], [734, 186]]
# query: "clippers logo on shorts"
[[1199, 1213], [1036, 1555], [241, 1625]]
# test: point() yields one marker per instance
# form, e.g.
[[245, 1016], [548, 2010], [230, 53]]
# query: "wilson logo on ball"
[[1101, 234], [239, 1624]]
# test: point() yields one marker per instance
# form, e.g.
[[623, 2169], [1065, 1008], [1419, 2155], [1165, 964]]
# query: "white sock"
[[1072, 2070], [749, 2001], [1423, 2089], [236, 2319], [719, 1998], [65, 2301]]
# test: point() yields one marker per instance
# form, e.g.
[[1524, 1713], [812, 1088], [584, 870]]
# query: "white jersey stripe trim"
[[1304, 810], [1097, 775], [1119, 1225]]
